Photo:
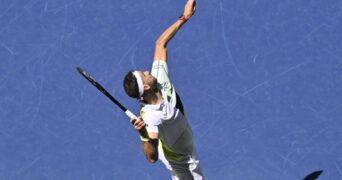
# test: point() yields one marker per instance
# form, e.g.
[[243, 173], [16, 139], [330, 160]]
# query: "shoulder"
[[150, 117]]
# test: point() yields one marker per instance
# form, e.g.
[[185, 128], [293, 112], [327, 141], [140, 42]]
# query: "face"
[[147, 79]]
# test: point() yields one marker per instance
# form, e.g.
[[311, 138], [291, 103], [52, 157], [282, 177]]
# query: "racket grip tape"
[[130, 114]]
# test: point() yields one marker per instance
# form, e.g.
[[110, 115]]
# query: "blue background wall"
[[260, 80]]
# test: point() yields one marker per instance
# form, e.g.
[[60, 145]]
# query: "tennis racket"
[[105, 92]]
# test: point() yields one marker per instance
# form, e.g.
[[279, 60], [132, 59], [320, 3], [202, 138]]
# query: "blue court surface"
[[261, 82]]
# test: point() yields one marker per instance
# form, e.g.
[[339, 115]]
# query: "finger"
[[139, 119], [141, 125], [133, 121], [136, 126]]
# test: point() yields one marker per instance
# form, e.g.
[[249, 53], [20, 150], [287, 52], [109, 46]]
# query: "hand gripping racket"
[[103, 90]]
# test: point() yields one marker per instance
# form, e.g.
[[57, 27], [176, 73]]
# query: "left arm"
[[160, 52]]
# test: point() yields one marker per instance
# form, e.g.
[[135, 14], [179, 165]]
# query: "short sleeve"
[[152, 129], [152, 122], [161, 72]]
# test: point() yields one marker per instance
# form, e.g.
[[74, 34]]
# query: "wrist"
[[144, 139], [144, 135], [183, 18]]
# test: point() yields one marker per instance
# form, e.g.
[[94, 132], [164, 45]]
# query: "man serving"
[[169, 137]]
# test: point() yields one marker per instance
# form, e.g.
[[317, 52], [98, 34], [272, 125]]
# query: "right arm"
[[150, 148], [149, 141]]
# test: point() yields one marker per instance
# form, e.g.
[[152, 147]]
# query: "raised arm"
[[160, 52]]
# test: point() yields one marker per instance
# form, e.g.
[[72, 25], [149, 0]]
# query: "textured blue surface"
[[260, 80]]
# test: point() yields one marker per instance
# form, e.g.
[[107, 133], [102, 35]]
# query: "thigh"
[[186, 170], [181, 172]]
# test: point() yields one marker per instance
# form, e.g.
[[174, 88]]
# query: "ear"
[[146, 87]]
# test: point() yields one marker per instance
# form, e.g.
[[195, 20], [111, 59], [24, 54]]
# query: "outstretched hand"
[[189, 9]]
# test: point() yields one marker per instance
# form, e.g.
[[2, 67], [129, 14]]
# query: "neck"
[[154, 98]]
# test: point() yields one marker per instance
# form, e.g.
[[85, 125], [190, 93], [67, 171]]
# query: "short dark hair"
[[131, 85]]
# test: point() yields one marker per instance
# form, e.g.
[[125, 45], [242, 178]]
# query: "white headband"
[[140, 83]]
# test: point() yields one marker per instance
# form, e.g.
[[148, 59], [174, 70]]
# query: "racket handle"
[[142, 131], [130, 114]]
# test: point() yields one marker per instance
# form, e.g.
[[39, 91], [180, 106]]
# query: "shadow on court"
[[313, 175]]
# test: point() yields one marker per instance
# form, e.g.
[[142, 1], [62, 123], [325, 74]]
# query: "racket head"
[[99, 87], [87, 76]]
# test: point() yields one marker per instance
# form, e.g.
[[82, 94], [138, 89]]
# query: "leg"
[[179, 171], [194, 167]]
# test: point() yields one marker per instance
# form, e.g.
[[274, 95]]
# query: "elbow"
[[160, 43], [153, 160], [150, 150]]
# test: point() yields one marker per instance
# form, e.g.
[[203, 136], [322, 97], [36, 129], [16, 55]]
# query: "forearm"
[[149, 145], [150, 149], [160, 52], [169, 33]]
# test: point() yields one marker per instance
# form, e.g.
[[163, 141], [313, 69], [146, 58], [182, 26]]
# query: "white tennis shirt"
[[168, 118]]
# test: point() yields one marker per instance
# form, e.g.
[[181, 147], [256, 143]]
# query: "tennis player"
[[169, 137]]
